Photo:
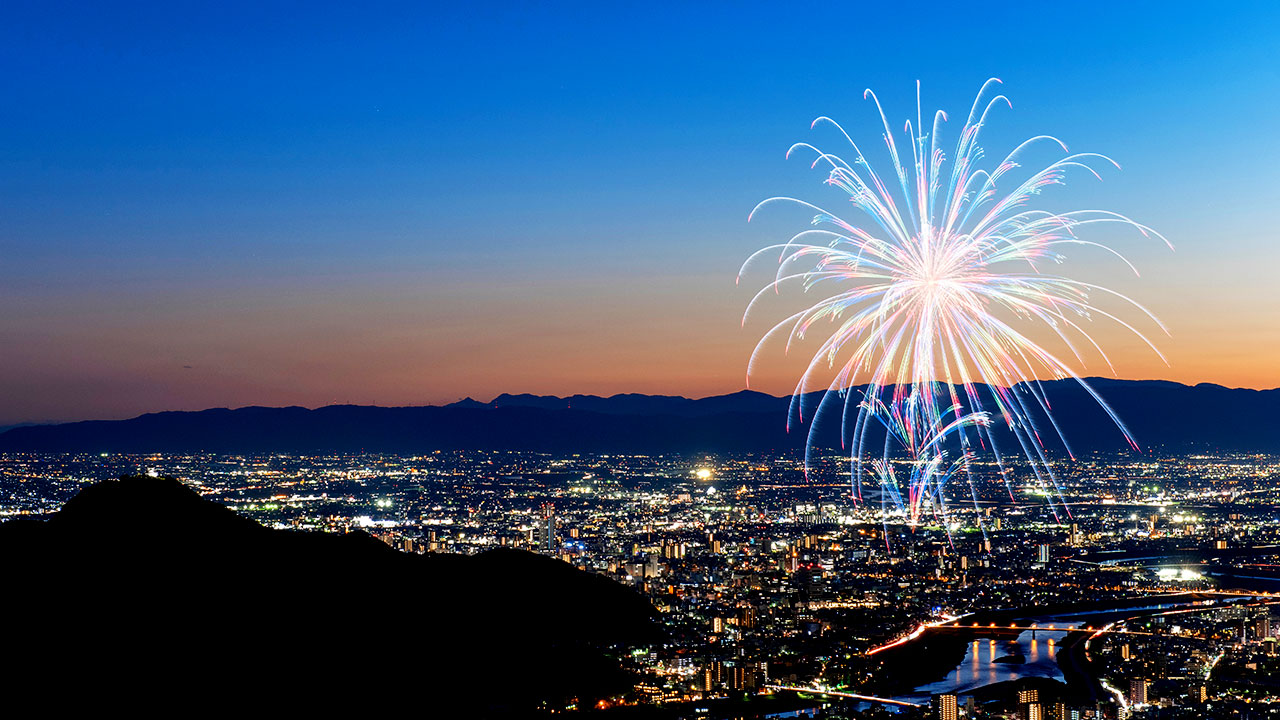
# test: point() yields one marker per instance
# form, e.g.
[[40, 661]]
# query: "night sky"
[[229, 204]]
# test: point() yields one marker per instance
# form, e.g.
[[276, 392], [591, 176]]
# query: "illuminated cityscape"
[[770, 584]]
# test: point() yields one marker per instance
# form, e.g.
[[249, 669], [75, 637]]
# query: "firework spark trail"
[[920, 301], [907, 421]]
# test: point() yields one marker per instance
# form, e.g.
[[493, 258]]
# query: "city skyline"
[[766, 581], [428, 208]]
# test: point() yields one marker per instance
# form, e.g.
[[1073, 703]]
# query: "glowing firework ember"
[[934, 298]]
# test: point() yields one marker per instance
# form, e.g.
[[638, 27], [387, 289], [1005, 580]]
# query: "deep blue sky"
[[405, 204]]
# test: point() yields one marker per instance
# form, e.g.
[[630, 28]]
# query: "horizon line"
[[1089, 379]]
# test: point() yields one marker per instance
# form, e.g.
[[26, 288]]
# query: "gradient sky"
[[231, 204]]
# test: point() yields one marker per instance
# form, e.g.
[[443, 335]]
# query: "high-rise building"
[[548, 528], [1043, 555], [653, 568], [1262, 626], [1137, 691], [751, 677], [1029, 707], [672, 550], [741, 676], [1074, 538], [945, 707]]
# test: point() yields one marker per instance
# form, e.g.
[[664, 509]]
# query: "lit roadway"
[[1208, 603], [836, 693]]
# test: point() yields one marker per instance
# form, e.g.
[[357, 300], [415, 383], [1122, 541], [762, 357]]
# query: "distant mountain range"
[[1159, 414]]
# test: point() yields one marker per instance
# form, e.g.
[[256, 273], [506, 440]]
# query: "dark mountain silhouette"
[[1159, 414], [142, 587], [636, 404], [468, 403]]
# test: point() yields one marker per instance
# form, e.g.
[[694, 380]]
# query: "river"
[[978, 669]]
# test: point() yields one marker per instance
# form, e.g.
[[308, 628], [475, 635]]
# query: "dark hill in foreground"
[[1159, 414], [141, 589]]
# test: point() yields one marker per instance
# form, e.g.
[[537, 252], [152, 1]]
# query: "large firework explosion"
[[932, 298]]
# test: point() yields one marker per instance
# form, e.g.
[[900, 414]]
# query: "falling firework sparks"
[[923, 299], [908, 422]]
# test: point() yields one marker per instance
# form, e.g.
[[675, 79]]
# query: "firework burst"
[[933, 296]]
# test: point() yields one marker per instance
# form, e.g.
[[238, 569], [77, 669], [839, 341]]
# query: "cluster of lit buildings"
[[769, 577]]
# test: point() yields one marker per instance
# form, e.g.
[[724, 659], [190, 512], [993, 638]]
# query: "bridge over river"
[[1010, 644]]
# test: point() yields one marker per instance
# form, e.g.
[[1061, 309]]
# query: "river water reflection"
[[978, 669]]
